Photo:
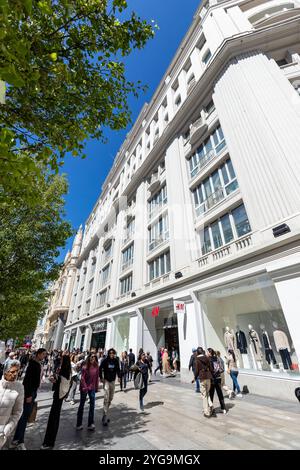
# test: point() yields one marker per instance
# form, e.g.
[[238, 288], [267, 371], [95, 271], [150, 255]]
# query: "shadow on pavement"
[[151, 404]]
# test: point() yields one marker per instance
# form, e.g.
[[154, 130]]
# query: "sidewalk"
[[172, 420]]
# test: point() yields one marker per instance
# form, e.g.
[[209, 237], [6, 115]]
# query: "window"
[[159, 266], [157, 201], [108, 251], [87, 307], [220, 232], [178, 101], [90, 287], [126, 284], [127, 257], [206, 57], [241, 221], [105, 274], [159, 232], [226, 228], [206, 151], [102, 297], [215, 187], [210, 107], [129, 231]]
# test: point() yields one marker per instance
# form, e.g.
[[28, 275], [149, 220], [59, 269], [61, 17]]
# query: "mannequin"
[[270, 358], [241, 343], [255, 347], [229, 339], [282, 345]]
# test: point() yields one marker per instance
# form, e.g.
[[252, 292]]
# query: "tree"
[[29, 238], [63, 63]]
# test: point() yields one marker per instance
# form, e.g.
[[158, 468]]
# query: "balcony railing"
[[159, 240], [157, 208], [128, 236], [127, 264], [207, 157], [211, 201], [233, 248]]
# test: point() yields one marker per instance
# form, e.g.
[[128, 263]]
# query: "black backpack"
[[297, 393]]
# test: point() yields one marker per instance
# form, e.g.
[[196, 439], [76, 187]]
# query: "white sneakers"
[[72, 402], [79, 428], [91, 427], [239, 395]]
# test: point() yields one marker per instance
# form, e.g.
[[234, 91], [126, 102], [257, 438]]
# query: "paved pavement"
[[172, 420]]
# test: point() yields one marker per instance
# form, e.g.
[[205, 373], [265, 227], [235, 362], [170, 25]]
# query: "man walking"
[[109, 369], [31, 384], [131, 362]]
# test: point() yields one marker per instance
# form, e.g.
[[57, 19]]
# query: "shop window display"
[[246, 316]]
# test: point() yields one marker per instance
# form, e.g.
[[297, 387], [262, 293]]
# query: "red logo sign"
[[155, 311]]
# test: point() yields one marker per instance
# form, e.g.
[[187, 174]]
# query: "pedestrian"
[[123, 370], [74, 380], [160, 352], [223, 385], [165, 363], [11, 400], [174, 359], [89, 385], [61, 386], [233, 371], [109, 370], [204, 371], [192, 365], [150, 360], [131, 362], [31, 384], [216, 379], [143, 368]]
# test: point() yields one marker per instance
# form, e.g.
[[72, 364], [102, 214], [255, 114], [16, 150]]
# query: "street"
[[172, 420]]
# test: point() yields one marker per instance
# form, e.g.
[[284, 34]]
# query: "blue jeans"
[[83, 396], [21, 426], [144, 390], [233, 375], [123, 381]]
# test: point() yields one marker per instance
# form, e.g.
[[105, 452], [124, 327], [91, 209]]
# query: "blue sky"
[[148, 65]]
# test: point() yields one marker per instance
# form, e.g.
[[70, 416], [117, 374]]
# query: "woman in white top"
[[11, 400], [233, 371]]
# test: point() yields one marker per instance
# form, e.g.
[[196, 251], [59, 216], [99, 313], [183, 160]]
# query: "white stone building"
[[59, 302], [202, 205]]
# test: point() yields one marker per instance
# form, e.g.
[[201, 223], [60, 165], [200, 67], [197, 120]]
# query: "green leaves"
[[10, 75]]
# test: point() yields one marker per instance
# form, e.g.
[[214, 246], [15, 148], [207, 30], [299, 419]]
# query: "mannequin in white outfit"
[[283, 347]]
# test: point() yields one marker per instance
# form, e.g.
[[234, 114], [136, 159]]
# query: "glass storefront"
[[122, 333], [246, 316], [99, 334]]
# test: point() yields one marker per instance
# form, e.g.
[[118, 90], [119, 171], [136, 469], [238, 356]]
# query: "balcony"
[[157, 208], [207, 157], [211, 201], [154, 183], [191, 85], [198, 129], [127, 264], [128, 236], [163, 237], [233, 248]]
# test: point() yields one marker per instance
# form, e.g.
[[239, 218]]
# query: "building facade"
[[59, 302], [194, 239]]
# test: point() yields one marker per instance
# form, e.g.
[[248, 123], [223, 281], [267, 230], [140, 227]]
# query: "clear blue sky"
[[148, 65]]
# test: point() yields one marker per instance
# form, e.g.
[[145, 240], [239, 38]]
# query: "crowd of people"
[[87, 371]]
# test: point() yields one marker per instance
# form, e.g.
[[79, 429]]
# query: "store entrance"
[[98, 340], [172, 341]]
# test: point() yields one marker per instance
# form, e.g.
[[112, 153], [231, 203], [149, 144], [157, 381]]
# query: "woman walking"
[[123, 370], [11, 400], [74, 381], [61, 385], [216, 379], [89, 385], [204, 371], [165, 363], [143, 368], [233, 371]]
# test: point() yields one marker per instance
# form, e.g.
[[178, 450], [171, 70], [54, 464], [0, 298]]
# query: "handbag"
[[297, 393], [138, 381], [32, 417]]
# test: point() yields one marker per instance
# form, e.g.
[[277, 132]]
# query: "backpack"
[[218, 368], [138, 381]]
